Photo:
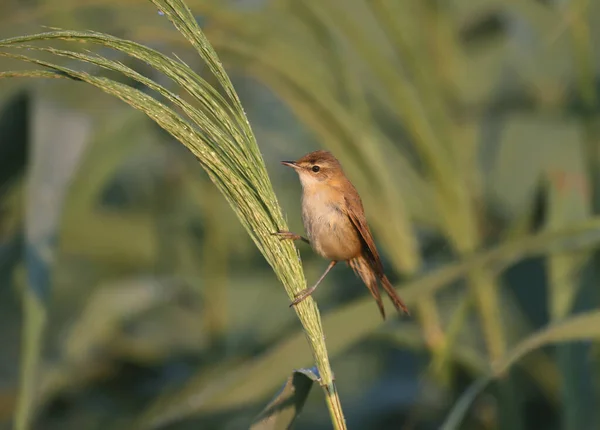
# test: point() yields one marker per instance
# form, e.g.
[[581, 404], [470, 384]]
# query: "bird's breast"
[[330, 231]]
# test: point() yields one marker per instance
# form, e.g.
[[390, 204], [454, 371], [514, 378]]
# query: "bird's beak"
[[291, 164]]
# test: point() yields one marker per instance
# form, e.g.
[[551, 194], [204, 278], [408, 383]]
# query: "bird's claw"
[[299, 297], [283, 235]]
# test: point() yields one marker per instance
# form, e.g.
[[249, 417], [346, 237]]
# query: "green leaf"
[[571, 289], [578, 328], [281, 412], [49, 175]]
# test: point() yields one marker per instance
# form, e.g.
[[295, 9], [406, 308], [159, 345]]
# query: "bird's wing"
[[354, 210]]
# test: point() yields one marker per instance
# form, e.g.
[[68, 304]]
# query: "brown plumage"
[[334, 220]]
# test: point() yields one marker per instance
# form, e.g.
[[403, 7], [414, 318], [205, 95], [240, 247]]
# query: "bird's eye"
[[315, 169]]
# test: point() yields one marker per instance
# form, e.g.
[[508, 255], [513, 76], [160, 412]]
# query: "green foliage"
[[469, 128], [581, 327], [285, 407]]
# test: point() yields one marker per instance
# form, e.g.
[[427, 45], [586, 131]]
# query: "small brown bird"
[[334, 220]]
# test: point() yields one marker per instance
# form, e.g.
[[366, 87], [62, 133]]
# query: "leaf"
[[571, 289], [523, 147], [127, 239], [14, 119], [281, 412], [56, 152], [578, 328], [96, 331]]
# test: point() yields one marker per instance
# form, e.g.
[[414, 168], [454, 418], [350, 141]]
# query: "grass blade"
[[578, 328]]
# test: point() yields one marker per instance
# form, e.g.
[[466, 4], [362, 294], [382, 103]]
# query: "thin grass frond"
[[585, 326]]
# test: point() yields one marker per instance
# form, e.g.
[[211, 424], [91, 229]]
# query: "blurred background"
[[465, 125]]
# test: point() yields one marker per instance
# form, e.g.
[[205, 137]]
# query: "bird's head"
[[317, 168]]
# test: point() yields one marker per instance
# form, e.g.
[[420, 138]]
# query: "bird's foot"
[[288, 235], [301, 296]]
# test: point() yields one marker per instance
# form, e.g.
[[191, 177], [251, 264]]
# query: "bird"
[[334, 220]]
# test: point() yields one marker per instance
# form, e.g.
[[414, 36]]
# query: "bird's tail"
[[394, 297], [363, 270]]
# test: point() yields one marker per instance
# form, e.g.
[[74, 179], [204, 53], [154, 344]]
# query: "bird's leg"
[[286, 235], [308, 291]]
